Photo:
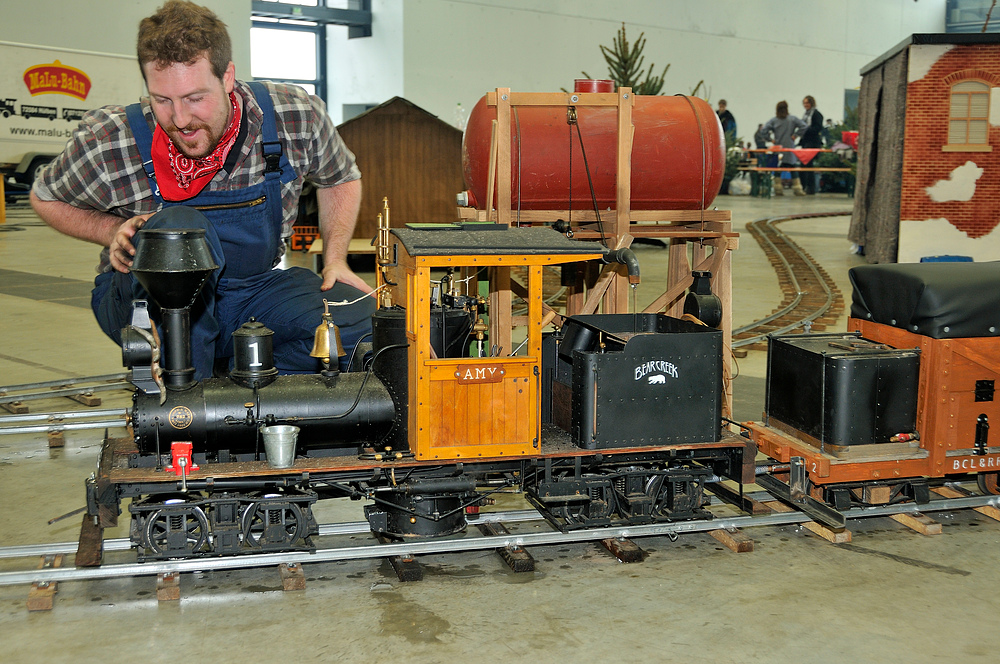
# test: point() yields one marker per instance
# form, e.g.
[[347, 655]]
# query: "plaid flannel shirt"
[[101, 169]]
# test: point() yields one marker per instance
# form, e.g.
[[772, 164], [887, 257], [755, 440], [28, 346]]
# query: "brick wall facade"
[[924, 162]]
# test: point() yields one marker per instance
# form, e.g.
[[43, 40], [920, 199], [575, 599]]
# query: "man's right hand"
[[121, 249]]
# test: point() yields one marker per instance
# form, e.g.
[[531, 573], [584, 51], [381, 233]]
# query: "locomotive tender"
[[903, 399]]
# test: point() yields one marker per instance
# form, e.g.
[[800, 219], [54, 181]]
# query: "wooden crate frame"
[[708, 232]]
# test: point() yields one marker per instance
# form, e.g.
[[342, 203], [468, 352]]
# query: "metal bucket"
[[279, 445]]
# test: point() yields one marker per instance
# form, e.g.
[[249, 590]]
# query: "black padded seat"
[[938, 300]]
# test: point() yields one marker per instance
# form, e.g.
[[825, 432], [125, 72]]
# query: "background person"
[[728, 122], [781, 130], [812, 137]]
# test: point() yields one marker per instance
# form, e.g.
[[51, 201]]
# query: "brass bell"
[[326, 330]]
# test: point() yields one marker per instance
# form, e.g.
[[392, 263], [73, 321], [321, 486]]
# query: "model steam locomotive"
[[615, 419]]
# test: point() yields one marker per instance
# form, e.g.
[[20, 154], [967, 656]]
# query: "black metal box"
[[635, 380], [841, 389]]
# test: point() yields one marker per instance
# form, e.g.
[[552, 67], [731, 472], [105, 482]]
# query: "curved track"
[[810, 296]]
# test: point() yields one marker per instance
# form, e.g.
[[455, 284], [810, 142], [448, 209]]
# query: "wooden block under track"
[[85, 399], [517, 558], [986, 510], [736, 541], [624, 550], [14, 407], [168, 587], [292, 577], [842, 537], [41, 596], [406, 567], [921, 523], [56, 439]]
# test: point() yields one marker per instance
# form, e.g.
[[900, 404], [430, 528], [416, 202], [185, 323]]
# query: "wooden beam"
[[652, 218], [292, 577], [503, 156], [87, 399], [624, 550], [90, 547], [987, 510], [41, 595], [616, 301], [406, 567], [605, 280], [56, 439], [517, 558], [921, 523], [500, 306], [841, 537], [674, 292], [556, 98], [519, 290], [491, 176], [168, 587], [736, 540], [742, 502]]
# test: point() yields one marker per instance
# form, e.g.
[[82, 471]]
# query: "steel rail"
[[55, 426], [325, 530], [798, 323], [65, 415], [64, 382], [813, 267], [791, 275], [69, 391], [811, 264], [473, 543]]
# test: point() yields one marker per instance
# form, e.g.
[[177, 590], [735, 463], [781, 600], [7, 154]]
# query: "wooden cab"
[[485, 406]]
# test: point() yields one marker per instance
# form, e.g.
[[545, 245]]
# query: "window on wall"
[[968, 119], [288, 38], [289, 51]]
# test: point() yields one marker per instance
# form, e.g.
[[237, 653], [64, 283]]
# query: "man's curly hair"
[[181, 32]]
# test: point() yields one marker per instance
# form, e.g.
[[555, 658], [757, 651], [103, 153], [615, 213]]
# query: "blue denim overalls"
[[244, 235]]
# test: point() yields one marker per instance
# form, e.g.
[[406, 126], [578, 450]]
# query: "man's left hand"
[[338, 271]]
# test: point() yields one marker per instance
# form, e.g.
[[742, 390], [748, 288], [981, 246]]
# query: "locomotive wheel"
[[988, 483], [272, 523], [658, 488], [571, 513], [176, 529]]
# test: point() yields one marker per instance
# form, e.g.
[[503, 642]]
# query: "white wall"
[[439, 52], [753, 53], [109, 26], [366, 70]]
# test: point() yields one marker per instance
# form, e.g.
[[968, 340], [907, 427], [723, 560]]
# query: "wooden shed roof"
[[395, 103]]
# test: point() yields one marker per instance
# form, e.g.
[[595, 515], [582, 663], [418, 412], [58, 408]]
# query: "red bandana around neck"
[[181, 178]]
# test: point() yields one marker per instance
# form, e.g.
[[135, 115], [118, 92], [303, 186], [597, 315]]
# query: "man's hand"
[[121, 248], [338, 271]]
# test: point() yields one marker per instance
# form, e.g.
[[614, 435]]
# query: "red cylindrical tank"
[[593, 85], [678, 155]]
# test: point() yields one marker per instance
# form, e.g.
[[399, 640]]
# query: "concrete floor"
[[890, 596]]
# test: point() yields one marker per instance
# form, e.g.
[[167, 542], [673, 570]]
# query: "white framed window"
[[287, 52], [968, 117]]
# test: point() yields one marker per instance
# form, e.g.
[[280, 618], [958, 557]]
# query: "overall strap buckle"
[[272, 158]]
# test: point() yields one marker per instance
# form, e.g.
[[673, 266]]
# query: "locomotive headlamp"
[[326, 332]]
